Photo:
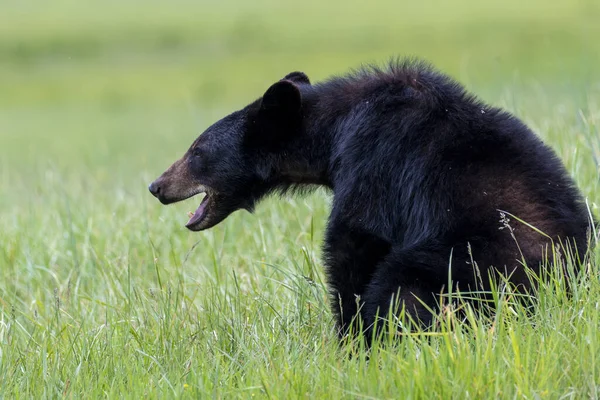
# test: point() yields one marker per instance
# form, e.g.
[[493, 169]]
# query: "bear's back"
[[421, 157]]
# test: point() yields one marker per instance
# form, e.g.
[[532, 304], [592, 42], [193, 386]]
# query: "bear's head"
[[238, 159]]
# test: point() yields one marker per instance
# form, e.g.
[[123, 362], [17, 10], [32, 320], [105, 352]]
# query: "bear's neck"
[[305, 162], [306, 159], [310, 159]]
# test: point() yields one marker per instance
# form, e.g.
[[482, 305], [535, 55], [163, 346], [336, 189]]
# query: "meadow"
[[105, 294]]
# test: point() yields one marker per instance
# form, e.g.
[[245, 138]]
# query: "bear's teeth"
[[190, 214]]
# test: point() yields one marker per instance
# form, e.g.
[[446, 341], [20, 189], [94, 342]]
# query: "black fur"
[[424, 176]]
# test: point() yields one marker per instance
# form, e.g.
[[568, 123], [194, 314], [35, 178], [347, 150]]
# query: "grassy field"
[[104, 293]]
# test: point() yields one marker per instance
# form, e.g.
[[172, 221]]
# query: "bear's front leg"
[[351, 255], [411, 278]]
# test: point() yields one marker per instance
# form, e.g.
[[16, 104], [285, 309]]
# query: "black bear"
[[426, 179]]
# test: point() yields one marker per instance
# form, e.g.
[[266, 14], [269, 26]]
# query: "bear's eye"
[[196, 152]]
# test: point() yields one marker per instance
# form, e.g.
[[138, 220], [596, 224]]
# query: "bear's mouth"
[[197, 218], [213, 208]]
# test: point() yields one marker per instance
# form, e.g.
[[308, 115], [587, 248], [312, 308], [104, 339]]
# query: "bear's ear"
[[283, 98], [298, 77], [279, 116]]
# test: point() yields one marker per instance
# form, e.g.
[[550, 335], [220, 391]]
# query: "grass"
[[103, 293]]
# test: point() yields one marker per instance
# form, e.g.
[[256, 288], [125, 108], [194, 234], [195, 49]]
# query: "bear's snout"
[[158, 190], [175, 184], [154, 188]]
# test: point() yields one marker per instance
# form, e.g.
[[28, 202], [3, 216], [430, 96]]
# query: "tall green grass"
[[104, 293]]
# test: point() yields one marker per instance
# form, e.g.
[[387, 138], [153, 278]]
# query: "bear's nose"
[[154, 188]]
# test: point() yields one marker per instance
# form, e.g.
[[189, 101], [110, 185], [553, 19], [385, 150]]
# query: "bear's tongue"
[[199, 213]]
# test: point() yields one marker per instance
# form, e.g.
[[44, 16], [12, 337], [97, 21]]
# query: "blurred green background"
[[113, 80], [98, 98], [122, 87]]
